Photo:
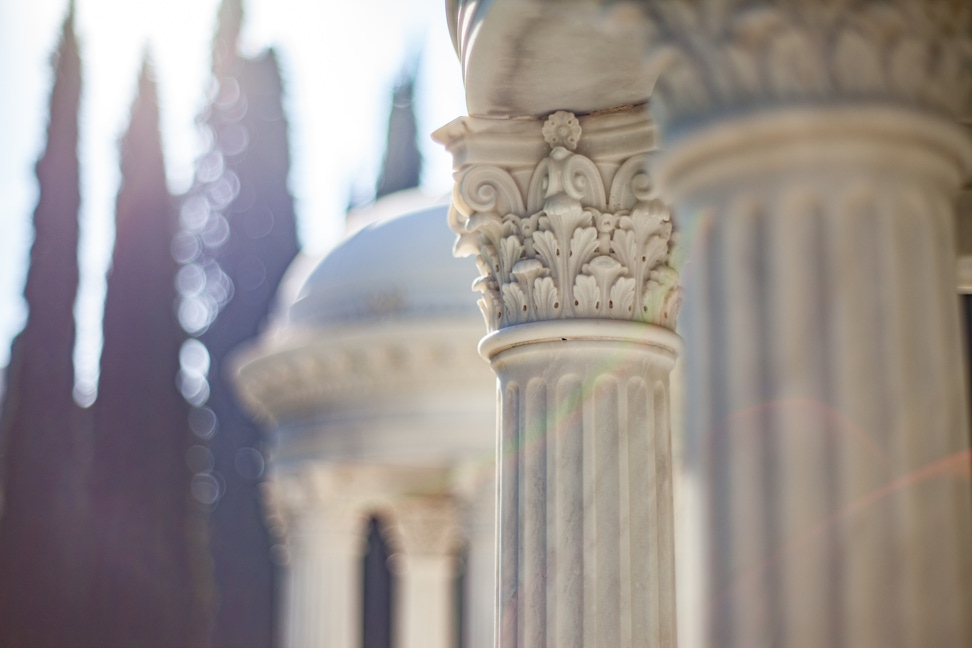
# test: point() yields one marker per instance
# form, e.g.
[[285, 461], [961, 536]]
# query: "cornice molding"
[[313, 370], [422, 513]]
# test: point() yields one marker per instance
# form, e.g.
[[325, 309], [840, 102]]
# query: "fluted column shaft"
[[580, 296], [811, 158], [827, 399], [315, 509], [323, 598], [586, 554], [479, 529], [426, 535]]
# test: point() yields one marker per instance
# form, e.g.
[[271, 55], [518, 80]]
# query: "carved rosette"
[[573, 246], [732, 55]]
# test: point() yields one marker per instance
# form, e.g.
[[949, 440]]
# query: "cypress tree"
[[249, 202], [148, 589], [40, 586], [377, 589], [402, 166], [401, 170]]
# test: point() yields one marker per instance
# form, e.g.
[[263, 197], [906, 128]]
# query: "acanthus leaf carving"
[[731, 55], [583, 246], [662, 298], [587, 300], [576, 246], [605, 270], [489, 306], [546, 299], [514, 304], [526, 272], [548, 251], [622, 299]]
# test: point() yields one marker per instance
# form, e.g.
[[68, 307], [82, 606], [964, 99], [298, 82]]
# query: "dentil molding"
[[307, 371], [572, 235]]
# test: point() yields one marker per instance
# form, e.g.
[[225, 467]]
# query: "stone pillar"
[[325, 538], [812, 158], [425, 535], [580, 297], [476, 484]]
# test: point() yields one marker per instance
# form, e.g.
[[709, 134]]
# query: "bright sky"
[[339, 59]]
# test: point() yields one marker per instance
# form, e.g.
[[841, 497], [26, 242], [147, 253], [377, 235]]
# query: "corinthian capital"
[[733, 55], [568, 225], [425, 526]]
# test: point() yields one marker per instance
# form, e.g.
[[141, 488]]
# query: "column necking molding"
[[576, 234]]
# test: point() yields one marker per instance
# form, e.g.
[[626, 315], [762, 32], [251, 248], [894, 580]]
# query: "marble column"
[[325, 541], [425, 535], [579, 296], [476, 485], [813, 158]]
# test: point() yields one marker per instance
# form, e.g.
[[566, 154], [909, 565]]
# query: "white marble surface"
[[534, 57], [376, 399], [815, 169], [586, 547], [579, 295]]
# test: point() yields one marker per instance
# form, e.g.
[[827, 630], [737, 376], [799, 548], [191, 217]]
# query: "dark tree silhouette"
[[402, 166], [149, 586], [245, 243], [40, 582], [377, 591]]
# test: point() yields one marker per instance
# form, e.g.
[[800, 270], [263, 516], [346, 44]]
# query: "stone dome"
[[381, 335], [401, 268]]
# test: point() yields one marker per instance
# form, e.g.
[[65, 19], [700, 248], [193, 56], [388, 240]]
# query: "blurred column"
[[425, 535], [813, 158], [580, 297], [477, 486], [326, 542]]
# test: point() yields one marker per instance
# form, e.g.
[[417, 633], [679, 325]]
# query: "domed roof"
[[399, 268]]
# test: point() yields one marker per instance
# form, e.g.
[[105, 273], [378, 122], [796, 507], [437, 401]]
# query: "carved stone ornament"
[[731, 55], [306, 372], [573, 246], [426, 526]]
